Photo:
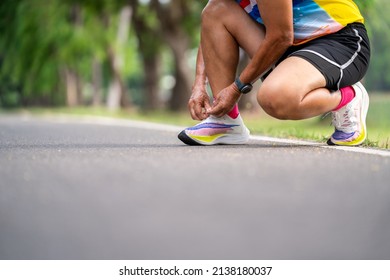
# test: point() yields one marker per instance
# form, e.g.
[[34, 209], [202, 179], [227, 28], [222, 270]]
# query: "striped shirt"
[[313, 18]]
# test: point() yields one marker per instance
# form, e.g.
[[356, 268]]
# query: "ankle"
[[347, 94], [234, 112]]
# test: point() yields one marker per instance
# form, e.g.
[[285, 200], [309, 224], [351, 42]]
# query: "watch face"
[[246, 88], [243, 88]]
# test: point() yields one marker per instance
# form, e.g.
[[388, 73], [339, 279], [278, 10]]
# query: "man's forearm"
[[200, 71]]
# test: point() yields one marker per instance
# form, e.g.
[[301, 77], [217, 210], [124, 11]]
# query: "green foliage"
[[192, 21], [365, 5], [378, 122], [147, 30], [40, 38], [378, 25], [28, 49]]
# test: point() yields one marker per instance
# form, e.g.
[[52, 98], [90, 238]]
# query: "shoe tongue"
[[216, 119]]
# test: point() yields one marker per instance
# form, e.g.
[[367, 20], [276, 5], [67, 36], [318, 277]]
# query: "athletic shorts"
[[342, 57]]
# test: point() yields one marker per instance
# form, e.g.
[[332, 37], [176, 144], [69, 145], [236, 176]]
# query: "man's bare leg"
[[225, 27], [296, 90]]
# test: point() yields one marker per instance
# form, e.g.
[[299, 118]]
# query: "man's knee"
[[276, 100], [214, 10]]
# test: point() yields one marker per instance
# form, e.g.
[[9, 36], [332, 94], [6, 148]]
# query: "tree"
[[378, 24], [174, 17], [147, 30], [29, 51], [158, 24], [365, 5], [117, 90]]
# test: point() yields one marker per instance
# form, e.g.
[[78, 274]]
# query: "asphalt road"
[[115, 190]]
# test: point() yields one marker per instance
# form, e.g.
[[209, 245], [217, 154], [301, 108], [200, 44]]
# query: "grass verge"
[[315, 129]]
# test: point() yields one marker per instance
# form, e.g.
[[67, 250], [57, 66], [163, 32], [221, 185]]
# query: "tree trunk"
[[171, 17], [182, 89], [117, 94], [97, 81], [72, 80], [149, 43], [73, 92], [152, 75], [117, 87]]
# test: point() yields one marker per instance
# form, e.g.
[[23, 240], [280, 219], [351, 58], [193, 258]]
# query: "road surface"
[[104, 189]]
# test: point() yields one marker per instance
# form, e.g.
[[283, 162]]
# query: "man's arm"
[[277, 16], [199, 101], [200, 71]]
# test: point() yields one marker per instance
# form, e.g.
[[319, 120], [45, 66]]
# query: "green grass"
[[316, 129], [319, 129]]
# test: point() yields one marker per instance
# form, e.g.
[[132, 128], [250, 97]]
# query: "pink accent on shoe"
[[234, 112], [208, 131], [347, 94]]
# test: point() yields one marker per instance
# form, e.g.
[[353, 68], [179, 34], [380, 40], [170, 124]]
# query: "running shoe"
[[350, 120], [213, 131]]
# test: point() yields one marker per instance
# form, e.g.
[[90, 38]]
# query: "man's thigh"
[[295, 77], [341, 57]]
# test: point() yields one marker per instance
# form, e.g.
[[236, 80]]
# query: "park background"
[[136, 59]]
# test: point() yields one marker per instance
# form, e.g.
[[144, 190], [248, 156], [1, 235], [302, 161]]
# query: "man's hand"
[[199, 103], [225, 101]]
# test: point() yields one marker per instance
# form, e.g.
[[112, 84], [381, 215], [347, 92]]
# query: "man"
[[310, 54]]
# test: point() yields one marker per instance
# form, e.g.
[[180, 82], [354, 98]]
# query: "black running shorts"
[[342, 57]]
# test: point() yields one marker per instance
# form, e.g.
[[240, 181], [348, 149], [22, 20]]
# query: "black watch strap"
[[243, 88]]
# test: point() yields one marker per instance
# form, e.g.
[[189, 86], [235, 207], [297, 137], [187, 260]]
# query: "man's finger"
[[193, 110], [216, 111], [193, 114], [207, 105]]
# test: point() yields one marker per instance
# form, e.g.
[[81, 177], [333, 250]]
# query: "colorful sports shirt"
[[313, 18]]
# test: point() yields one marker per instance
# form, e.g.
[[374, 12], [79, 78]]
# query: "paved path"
[[113, 190]]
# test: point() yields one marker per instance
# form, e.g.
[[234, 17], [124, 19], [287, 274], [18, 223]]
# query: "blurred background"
[[122, 53], [117, 54]]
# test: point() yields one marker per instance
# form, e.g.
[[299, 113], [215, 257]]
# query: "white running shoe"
[[350, 120], [213, 131]]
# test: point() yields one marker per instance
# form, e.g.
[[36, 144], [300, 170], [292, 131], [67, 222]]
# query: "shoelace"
[[214, 119], [345, 120]]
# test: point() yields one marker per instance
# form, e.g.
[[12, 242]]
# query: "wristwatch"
[[243, 88]]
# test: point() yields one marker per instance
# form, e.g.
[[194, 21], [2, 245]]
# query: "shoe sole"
[[362, 137], [222, 140], [187, 140]]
